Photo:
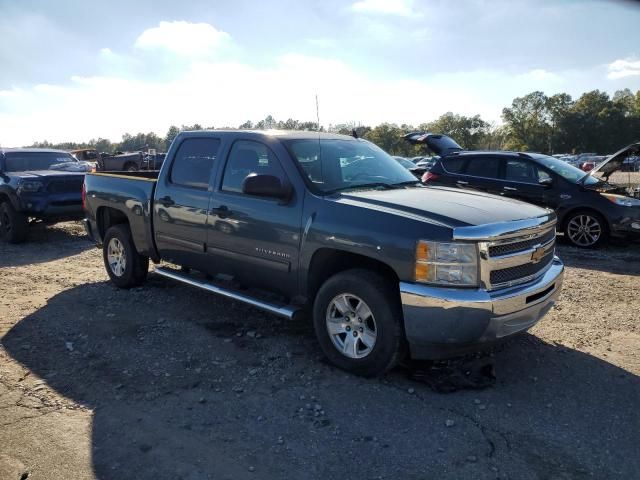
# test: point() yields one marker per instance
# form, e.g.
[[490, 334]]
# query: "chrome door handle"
[[510, 189], [462, 182]]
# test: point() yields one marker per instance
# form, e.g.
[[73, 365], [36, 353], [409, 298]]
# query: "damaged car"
[[590, 208]]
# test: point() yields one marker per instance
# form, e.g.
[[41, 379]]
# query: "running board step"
[[287, 311]]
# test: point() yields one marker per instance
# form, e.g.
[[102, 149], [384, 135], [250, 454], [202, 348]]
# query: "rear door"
[[181, 202], [254, 239], [449, 171], [481, 173]]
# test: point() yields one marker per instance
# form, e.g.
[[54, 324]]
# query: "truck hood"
[[613, 162], [447, 206]]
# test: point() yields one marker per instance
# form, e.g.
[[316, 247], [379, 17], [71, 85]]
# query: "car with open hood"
[[590, 208], [38, 185]]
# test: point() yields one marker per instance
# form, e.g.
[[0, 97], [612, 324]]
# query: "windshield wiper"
[[386, 186], [409, 183]]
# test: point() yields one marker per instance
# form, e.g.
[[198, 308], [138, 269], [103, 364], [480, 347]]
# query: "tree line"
[[595, 122]]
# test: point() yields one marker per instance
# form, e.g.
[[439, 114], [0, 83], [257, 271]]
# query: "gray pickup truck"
[[305, 224]]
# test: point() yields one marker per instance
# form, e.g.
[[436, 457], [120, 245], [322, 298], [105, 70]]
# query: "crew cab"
[[590, 209], [307, 224], [38, 184]]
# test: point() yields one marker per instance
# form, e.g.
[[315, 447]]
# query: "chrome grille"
[[520, 272], [512, 252], [518, 259], [513, 247]]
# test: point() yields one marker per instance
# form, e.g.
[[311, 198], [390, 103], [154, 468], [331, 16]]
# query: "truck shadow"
[[45, 244], [185, 385]]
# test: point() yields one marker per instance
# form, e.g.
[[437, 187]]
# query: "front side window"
[[33, 161], [331, 165], [193, 162], [483, 167], [247, 157], [521, 171]]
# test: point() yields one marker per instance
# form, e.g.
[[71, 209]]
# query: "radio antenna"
[[317, 114]]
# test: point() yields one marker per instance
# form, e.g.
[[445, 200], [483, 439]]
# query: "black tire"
[[383, 302], [14, 225], [136, 266], [595, 236], [131, 167]]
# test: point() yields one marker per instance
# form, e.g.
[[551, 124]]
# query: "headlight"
[[30, 186], [622, 200], [452, 264]]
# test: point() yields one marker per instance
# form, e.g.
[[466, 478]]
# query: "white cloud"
[[386, 7], [623, 68], [540, 74], [183, 38]]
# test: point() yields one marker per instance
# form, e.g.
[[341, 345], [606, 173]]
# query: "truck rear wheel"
[[125, 266], [358, 322], [13, 225]]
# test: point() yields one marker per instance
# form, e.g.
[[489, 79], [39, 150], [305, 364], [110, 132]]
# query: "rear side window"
[[247, 157], [193, 162], [483, 167], [453, 165]]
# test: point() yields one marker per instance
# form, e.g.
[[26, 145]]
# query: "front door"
[[182, 202], [522, 180], [254, 239]]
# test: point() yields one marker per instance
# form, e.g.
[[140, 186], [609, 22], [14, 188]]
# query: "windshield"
[[335, 164], [405, 163], [565, 170], [30, 161]]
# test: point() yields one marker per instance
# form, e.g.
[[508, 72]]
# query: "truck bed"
[[128, 193]]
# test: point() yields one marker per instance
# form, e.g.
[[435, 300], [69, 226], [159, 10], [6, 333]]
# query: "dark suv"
[[38, 184], [589, 208]]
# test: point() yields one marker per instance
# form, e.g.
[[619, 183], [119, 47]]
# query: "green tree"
[[172, 133], [527, 123]]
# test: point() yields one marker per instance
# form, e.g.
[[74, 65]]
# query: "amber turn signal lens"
[[422, 252], [422, 271]]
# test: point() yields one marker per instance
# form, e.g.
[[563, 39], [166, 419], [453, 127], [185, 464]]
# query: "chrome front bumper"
[[445, 322]]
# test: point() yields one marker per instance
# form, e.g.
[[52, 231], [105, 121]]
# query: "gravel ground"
[[166, 381]]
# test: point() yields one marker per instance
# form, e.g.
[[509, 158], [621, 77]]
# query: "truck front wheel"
[[358, 322], [13, 225], [125, 266]]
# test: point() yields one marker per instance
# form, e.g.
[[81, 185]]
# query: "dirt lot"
[[166, 381]]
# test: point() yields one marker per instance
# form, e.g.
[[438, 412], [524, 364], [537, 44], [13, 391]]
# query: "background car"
[[589, 208], [417, 170]]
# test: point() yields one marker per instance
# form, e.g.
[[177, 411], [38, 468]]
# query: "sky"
[[76, 70]]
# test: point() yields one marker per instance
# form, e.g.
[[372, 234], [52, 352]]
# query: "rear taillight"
[[429, 177], [84, 197]]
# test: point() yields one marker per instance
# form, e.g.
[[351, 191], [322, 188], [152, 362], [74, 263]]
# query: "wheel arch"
[[106, 217], [327, 262], [562, 221]]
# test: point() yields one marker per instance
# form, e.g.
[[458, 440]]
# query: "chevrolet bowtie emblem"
[[537, 254]]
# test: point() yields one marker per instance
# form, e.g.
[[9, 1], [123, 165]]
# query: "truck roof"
[[30, 149], [283, 134]]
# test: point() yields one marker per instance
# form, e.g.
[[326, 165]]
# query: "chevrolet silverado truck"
[[330, 227], [38, 184]]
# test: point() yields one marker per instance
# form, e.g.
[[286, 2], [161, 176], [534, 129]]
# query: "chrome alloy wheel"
[[584, 230], [351, 326], [116, 257]]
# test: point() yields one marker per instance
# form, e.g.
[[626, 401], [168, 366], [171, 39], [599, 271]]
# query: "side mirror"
[[266, 186], [546, 182]]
